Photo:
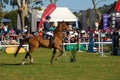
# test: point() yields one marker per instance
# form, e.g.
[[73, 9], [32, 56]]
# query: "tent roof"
[[5, 20], [59, 14]]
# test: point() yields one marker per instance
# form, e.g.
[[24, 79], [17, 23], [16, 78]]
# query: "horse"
[[37, 41]]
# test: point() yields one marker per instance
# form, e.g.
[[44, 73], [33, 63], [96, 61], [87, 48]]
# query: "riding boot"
[[51, 41]]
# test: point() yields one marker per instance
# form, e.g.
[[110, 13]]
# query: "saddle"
[[50, 38], [45, 36]]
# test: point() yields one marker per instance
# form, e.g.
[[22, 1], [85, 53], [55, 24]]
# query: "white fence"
[[3, 46]]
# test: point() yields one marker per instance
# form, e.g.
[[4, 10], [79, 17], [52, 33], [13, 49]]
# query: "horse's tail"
[[20, 45]]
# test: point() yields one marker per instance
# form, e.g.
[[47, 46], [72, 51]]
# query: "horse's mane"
[[59, 27]]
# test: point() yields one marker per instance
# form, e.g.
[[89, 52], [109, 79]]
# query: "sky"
[[75, 5]]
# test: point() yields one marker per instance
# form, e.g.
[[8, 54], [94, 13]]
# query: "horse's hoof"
[[51, 62], [31, 60], [57, 58], [24, 60], [23, 63], [15, 55]]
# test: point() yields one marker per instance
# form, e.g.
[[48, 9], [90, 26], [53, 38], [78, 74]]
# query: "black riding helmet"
[[48, 17]]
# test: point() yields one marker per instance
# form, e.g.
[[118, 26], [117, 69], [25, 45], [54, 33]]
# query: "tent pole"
[[77, 24]]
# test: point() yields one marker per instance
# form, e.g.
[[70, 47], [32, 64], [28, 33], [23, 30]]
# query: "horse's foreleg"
[[53, 55], [31, 50], [61, 52], [34, 47]]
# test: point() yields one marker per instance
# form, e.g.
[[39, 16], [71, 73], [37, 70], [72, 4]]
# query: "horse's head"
[[62, 26]]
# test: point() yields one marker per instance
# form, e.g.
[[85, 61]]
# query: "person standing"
[[5, 29]]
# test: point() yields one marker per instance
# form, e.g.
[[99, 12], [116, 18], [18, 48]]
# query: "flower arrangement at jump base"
[[73, 48]]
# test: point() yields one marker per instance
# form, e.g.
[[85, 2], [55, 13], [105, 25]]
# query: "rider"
[[47, 26], [46, 29]]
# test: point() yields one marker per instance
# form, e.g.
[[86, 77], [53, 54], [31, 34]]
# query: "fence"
[[26, 46], [100, 47]]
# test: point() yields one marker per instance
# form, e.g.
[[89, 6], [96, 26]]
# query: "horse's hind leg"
[[24, 60], [31, 59], [53, 55]]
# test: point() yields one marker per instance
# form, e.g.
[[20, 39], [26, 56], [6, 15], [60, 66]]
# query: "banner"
[[105, 21], [117, 6], [49, 9]]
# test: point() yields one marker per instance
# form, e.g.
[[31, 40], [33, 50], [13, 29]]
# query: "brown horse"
[[37, 41]]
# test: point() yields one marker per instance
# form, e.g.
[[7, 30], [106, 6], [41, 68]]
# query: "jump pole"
[[101, 45]]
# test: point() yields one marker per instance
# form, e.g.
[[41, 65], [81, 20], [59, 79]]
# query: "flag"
[[49, 9], [105, 21], [117, 6]]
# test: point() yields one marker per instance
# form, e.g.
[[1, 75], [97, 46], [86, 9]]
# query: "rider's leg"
[[50, 34], [51, 38]]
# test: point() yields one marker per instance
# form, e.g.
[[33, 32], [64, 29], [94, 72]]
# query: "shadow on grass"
[[8, 64], [19, 64]]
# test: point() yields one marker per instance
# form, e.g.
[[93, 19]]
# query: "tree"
[[53, 1], [95, 2], [23, 7], [12, 15], [96, 10]]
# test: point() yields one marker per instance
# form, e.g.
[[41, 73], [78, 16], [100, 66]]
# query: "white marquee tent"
[[58, 15]]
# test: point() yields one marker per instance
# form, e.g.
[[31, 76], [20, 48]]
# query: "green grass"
[[89, 66]]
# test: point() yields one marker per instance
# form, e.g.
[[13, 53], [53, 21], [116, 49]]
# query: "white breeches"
[[49, 33]]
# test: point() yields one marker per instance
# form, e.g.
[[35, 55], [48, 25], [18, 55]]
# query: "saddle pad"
[[45, 37], [12, 50]]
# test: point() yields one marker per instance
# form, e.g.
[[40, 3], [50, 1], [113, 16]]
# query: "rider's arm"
[[47, 26]]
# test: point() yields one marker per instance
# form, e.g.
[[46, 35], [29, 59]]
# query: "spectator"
[[5, 29], [12, 31], [18, 32], [67, 38], [25, 29], [55, 24]]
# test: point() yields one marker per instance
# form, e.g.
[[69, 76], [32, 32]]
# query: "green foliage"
[[88, 66], [12, 16], [1, 14]]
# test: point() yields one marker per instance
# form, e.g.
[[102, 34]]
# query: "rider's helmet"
[[48, 17]]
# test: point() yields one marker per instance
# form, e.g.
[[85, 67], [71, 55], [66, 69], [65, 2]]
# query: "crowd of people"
[[11, 36]]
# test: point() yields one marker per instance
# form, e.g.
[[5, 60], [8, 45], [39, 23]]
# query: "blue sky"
[[76, 5]]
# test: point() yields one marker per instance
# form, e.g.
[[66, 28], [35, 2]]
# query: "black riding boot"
[[51, 41]]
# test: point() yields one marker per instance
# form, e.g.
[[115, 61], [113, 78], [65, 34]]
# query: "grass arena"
[[88, 66]]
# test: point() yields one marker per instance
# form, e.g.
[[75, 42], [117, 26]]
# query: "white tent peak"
[[60, 14]]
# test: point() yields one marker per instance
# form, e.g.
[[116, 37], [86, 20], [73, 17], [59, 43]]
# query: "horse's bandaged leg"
[[24, 60], [57, 58], [31, 60]]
